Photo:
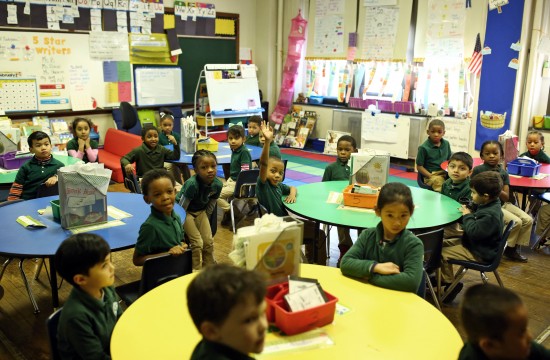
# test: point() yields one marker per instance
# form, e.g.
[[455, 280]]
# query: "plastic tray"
[[523, 168], [315, 99], [359, 200], [211, 145], [9, 161]]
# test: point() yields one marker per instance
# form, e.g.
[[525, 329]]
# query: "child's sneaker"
[[511, 253], [452, 295]]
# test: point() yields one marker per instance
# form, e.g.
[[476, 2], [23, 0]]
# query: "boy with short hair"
[[432, 153], [91, 311], [40, 169], [254, 123], [482, 229], [340, 170], [495, 321], [227, 305], [240, 160]]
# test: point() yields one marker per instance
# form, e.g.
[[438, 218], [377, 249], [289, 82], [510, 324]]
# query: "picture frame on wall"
[[332, 141]]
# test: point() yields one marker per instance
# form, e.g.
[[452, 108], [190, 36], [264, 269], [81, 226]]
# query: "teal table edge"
[[9, 177], [431, 208]]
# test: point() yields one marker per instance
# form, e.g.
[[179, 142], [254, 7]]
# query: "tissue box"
[[523, 167], [210, 144], [367, 201]]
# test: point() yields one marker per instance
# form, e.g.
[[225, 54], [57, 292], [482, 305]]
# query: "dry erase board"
[[386, 132], [158, 85], [229, 88], [61, 65]]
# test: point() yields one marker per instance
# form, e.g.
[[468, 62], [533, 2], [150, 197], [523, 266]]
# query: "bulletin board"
[[62, 67], [158, 85], [386, 132]]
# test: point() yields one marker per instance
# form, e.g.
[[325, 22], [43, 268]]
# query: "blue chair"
[[245, 188], [421, 184]]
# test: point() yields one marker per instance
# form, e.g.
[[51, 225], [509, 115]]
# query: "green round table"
[[431, 208], [9, 177]]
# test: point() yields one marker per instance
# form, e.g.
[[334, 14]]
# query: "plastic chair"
[[537, 200], [466, 265], [51, 326], [129, 116], [245, 188], [132, 183], [21, 271], [156, 271], [421, 184], [433, 244]]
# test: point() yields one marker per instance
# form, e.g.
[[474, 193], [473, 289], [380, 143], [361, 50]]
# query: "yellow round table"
[[380, 324]]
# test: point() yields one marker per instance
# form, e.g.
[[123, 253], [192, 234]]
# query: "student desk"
[[20, 242], [223, 155], [431, 208], [522, 184], [381, 324]]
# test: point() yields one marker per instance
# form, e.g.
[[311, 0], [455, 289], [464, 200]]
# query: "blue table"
[[20, 242]]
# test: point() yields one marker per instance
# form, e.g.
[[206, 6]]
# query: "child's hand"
[[88, 143], [172, 139], [465, 210], [387, 268], [129, 169], [176, 250], [267, 131], [51, 181], [81, 144], [290, 199]]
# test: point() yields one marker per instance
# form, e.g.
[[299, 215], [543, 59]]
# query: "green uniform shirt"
[[159, 233], [198, 193], [240, 160], [431, 156], [483, 230], [253, 140], [208, 350], [336, 171], [73, 145], [86, 324], [406, 251], [473, 352], [540, 157], [148, 159], [163, 139], [503, 173], [33, 173], [270, 196], [274, 150], [457, 191]]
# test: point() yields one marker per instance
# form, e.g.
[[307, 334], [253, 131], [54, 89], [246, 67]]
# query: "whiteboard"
[[385, 132], [232, 94], [158, 85], [50, 58], [457, 133]]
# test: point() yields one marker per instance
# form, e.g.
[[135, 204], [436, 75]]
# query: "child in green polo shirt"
[[41, 169], [227, 305], [81, 146], [340, 170], [198, 197], [91, 311], [169, 139], [162, 231], [535, 147], [240, 160], [254, 123], [150, 155], [432, 153]]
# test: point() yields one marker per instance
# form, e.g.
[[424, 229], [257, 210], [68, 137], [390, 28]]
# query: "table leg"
[[53, 283], [316, 234], [184, 171], [525, 194]]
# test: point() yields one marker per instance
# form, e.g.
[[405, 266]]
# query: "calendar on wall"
[[18, 94]]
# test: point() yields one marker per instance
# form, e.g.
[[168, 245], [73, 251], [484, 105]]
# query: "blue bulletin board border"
[[497, 80]]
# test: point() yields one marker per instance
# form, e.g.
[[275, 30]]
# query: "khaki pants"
[[543, 219], [436, 180], [453, 231], [453, 249], [521, 232], [197, 228], [228, 190]]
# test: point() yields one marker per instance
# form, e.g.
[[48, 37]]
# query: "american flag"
[[475, 62]]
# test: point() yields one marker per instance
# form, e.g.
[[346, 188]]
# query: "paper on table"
[[540, 176], [28, 221], [116, 213], [353, 208], [309, 340], [106, 225], [335, 197]]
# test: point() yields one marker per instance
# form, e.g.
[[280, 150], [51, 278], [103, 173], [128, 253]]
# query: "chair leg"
[[233, 217], [38, 269], [27, 285], [458, 276], [434, 296], [497, 276], [484, 277], [4, 266], [326, 229], [542, 236]]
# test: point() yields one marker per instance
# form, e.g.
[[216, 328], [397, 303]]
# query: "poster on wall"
[[380, 32]]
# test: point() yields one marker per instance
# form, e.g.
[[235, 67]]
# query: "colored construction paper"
[[112, 93], [124, 71], [124, 91], [110, 71]]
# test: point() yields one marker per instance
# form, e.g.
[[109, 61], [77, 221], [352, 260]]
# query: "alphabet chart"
[[18, 94]]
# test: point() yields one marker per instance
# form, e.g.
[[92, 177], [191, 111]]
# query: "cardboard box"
[[210, 144]]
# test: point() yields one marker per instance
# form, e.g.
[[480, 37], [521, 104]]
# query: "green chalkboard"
[[197, 52]]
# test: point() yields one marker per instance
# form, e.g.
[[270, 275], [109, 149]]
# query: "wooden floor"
[[23, 334]]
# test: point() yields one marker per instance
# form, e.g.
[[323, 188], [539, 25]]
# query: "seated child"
[[91, 311], [254, 123], [496, 324], [482, 229], [274, 149], [240, 160], [41, 169], [388, 255], [270, 189], [169, 137], [491, 153], [162, 231], [535, 147], [340, 170], [81, 146], [198, 197], [432, 153], [227, 305], [457, 186], [150, 155]]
